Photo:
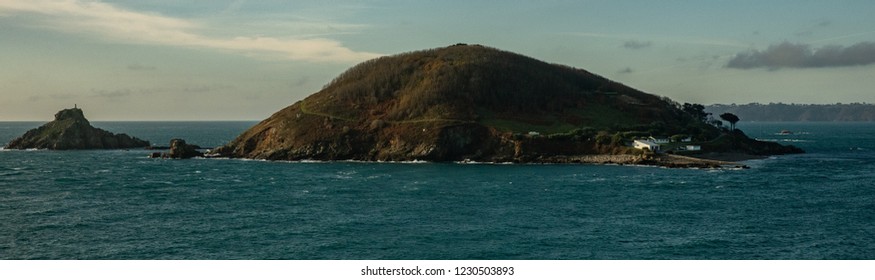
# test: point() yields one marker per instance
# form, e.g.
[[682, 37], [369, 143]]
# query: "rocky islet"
[[70, 130]]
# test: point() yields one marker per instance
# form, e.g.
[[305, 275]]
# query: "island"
[[471, 103], [71, 131]]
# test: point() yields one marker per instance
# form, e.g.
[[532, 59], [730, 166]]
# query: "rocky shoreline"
[[661, 160]]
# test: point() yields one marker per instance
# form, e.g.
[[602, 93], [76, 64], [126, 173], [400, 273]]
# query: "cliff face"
[[463, 102], [71, 131]]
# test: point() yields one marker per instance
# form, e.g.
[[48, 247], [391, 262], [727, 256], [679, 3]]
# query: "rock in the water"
[[179, 149], [71, 131]]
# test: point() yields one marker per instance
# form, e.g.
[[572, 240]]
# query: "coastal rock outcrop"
[[179, 149], [71, 131], [737, 142]]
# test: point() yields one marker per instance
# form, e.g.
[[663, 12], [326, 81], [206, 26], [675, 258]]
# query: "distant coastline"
[[781, 112]]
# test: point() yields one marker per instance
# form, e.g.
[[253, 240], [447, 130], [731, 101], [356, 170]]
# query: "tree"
[[695, 110], [731, 118]]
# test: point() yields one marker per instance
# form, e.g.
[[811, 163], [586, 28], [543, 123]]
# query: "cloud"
[[208, 88], [636, 45], [789, 55], [659, 38], [140, 67], [804, 33], [61, 97], [300, 82], [824, 23], [117, 24], [818, 25], [112, 94]]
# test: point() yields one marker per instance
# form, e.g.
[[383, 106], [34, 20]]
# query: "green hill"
[[479, 84], [464, 102]]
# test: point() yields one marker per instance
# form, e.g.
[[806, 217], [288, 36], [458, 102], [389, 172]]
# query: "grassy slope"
[[466, 84]]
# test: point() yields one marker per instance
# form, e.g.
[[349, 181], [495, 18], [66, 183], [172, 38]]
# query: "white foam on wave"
[[417, 161], [250, 159], [472, 162], [794, 133], [2, 149], [314, 161], [785, 140]]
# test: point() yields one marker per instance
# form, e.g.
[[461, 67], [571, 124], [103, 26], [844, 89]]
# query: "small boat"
[[785, 132]]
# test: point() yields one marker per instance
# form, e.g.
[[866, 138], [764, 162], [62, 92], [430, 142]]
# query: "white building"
[[659, 140], [642, 144], [693, 148]]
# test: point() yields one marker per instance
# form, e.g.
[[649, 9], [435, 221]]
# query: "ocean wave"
[[398, 161], [151, 182], [483, 162], [345, 174], [13, 173], [249, 159], [312, 161], [361, 161], [2, 149], [785, 140]]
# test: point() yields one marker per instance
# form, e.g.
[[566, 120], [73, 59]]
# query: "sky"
[[244, 60]]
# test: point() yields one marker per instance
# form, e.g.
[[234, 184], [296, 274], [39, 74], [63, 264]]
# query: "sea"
[[120, 204]]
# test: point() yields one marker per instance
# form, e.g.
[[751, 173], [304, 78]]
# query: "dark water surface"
[[122, 205]]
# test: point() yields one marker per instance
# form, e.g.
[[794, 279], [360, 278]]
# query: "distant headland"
[[476, 103], [780, 112]]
